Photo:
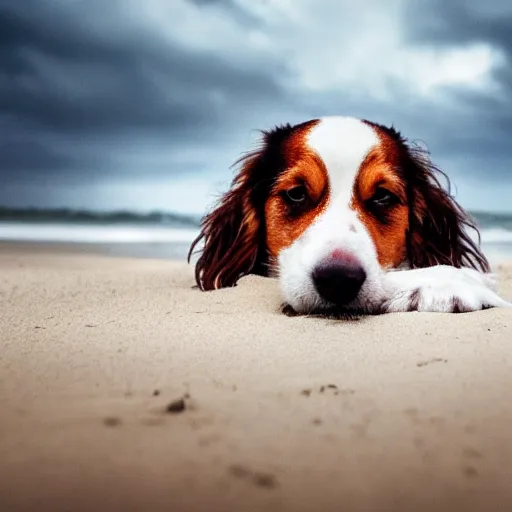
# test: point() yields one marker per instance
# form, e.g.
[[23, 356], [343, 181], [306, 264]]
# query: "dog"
[[349, 216]]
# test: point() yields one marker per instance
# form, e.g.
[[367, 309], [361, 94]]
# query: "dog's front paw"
[[442, 289]]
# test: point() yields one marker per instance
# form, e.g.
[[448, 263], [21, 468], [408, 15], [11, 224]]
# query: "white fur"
[[343, 143], [437, 288]]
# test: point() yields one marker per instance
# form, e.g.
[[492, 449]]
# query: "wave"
[[71, 216], [495, 228], [493, 220], [496, 236], [91, 234], [144, 234]]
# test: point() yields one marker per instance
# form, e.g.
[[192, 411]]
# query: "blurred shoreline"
[[158, 251], [161, 235]]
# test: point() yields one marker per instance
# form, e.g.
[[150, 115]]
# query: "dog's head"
[[327, 206]]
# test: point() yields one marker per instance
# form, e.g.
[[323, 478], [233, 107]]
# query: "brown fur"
[[390, 238], [437, 227], [230, 232], [282, 230]]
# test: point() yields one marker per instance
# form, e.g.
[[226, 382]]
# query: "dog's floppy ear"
[[437, 224], [232, 234]]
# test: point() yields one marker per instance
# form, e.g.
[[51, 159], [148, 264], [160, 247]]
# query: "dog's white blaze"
[[342, 143]]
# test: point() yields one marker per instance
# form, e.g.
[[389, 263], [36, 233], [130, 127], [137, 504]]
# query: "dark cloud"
[[230, 7], [60, 73], [481, 131], [16, 159], [437, 22], [85, 74], [89, 90]]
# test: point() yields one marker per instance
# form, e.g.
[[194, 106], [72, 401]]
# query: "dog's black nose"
[[338, 280]]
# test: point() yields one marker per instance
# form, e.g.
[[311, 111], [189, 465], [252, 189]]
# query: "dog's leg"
[[441, 288]]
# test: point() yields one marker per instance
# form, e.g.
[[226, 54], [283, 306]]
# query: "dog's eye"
[[383, 198], [296, 195]]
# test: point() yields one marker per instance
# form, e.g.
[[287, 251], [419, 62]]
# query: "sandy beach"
[[123, 388]]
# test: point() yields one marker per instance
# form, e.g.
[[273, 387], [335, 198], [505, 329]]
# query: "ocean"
[[166, 235], [121, 233]]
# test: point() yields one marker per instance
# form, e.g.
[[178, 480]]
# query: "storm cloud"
[[137, 103]]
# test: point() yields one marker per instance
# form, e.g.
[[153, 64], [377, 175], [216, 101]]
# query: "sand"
[[124, 388]]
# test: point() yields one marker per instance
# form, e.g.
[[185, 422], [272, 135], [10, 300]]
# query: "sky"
[[146, 104]]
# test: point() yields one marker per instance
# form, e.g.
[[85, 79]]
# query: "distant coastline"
[[82, 216]]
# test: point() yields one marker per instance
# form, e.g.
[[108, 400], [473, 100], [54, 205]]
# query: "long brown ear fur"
[[231, 234], [437, 224], [234, 233]]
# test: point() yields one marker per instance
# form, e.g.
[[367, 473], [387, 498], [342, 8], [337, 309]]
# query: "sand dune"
[[124, 388]]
